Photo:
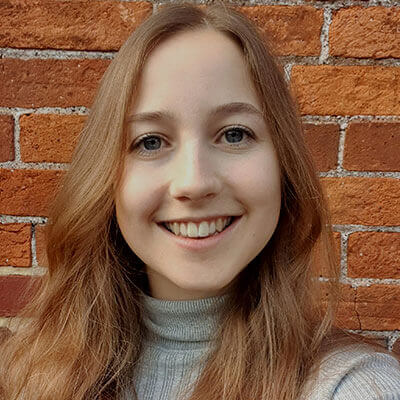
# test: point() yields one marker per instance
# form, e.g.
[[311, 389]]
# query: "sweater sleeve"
[[356, 372], [373, 376]]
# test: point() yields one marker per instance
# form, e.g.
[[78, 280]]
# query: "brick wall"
[[343, 63]]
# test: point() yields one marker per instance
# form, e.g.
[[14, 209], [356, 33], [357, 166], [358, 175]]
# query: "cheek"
[[258, 180], [137, 195]]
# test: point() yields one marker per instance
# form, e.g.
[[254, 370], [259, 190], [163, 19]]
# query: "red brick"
[[396, 347], [15, 245], [347, 293], [49, 138], [347, 90], [374, 255], [366, 201], [83, 25], [365, 32], [49, 83], [291, 30], [346, 316], [372, 147], [41, 246], [323, 141], [6, 138], [27, 192], [15, 292], [378, 307]]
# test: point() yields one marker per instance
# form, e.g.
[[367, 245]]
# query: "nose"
[[194, 174]]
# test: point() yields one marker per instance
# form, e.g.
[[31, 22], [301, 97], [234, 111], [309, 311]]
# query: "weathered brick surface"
[[396, 347], [291, 30], [366, 201], [372, 147], [83, 25], [378, 307], [49, 83], [15, 245], [27, 192], [323, 141], [366, 308], [15, 292], [374, 255], [6, 138], [41, 246], [48, 137], [347, 90], [365, 32], [346, 316]]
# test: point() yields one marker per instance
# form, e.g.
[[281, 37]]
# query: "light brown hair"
[[83, 333]]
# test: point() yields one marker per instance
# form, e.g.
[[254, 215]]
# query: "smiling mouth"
[[196, 236]]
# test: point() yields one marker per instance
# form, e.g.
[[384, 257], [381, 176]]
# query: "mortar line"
[[324, 36], [22, 271], [343, 254], [365, 228], [17, 149], [33, 246], [343, 123], [16, 219]]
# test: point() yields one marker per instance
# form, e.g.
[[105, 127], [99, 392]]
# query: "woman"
[[180, 243]]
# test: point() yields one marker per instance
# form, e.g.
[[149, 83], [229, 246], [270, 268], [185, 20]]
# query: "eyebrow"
[[223, 109]]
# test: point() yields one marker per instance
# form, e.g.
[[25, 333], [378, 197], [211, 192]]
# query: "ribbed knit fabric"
[[180, 333]]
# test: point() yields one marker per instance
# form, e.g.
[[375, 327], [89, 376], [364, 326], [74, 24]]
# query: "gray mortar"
[[17, 153], [325, 36], [29, 54], [344, 238]]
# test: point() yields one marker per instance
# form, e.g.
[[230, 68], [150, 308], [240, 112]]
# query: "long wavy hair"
[[82, 332]]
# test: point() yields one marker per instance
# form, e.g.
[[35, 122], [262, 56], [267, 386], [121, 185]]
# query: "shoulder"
[[356, 372]]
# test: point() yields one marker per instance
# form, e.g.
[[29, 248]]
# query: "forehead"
[[192, 45], [194, 69]]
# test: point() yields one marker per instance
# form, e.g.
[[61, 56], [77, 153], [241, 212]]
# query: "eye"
[[148, 145], [237, 136]]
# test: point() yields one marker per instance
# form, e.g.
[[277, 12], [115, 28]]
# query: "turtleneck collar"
[[182, 324]]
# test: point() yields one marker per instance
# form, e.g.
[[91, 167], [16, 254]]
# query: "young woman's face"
[[199, 150]]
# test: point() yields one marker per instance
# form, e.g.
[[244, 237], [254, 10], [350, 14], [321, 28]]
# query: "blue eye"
[[150, 144], [236, 134]]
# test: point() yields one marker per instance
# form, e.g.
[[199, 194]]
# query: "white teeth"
[[203, 229], [192, 230], [212, 228], [183, 229]]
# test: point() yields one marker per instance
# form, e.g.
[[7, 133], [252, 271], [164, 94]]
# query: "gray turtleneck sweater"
[[180, 333]]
